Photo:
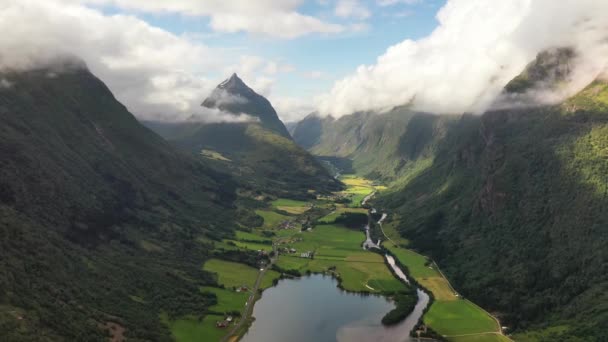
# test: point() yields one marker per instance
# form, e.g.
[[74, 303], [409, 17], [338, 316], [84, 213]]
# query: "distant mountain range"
[[512, 204]]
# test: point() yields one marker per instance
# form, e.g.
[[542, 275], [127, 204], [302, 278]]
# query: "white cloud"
[[351, 9], [477, 48], [277, 18], [155, 73], [292, 109], [152, 71]]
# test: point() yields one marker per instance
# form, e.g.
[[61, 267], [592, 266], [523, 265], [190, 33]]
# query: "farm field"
[[449, 314], [271, 219], [340, 248], [190, 329], [357, 189], [291, 206], [234, 274], [228, 300]]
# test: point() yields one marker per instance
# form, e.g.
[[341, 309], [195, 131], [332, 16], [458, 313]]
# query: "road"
[[368, 242], [251, 300], [367, 198]]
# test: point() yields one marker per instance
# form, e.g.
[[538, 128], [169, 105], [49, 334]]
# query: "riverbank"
[[450, 315]]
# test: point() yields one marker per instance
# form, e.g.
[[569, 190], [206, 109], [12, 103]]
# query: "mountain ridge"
[[510, 204]]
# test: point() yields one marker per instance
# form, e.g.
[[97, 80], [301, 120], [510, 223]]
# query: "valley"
[[325, 237]]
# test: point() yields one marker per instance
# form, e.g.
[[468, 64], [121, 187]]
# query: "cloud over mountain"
[[477, 48], [157, 74]]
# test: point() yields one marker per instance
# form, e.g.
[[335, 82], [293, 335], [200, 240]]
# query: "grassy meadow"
[[449, 315], [232, 274], [339, 248], [357, 189]]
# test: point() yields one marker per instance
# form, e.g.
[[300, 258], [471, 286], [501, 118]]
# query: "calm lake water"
[[313, 308]]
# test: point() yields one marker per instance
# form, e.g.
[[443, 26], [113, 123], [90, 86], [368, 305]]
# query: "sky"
[[335, 57]]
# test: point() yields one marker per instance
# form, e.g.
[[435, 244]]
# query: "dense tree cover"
[[352, 220], [404, 304], [100, 219]]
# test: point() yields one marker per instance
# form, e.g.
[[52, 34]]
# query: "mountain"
[[99, 216], [234, 96], [260, 153], [511, 204]]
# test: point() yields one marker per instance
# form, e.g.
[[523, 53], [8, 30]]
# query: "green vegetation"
[[247, 236], [214, 155], [511, 204], [99, 217], [271, 219], [459, 317], [405, 303], [264, 157], [449, 314], [338, 249], [191, 329], [232, 274], [331, 217], [357, 189], [228, 300], [284, 202]]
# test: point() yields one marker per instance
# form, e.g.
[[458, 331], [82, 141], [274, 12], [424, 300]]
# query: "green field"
[[193, 330], [227, 299], [339, 247], [487, 337], [283, 202], [449, 314], [232, 274], [357, 189], [458, 317], [271, 219]]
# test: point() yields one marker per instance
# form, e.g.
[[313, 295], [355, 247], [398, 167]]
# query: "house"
[[307, 254]]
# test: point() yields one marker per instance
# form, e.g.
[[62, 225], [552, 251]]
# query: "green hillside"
[[99, 216], [510, 204]]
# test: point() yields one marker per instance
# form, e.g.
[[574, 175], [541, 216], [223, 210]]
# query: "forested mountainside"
[[260, 154], [511, 204], [102, 223]]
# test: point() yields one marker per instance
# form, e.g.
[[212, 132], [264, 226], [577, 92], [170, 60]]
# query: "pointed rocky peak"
[[235, 97], [235, 86]]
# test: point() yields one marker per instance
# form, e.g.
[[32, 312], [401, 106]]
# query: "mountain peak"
[[234, 96], [235, 85]]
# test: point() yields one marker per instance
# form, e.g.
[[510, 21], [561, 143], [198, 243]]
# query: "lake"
[[313, 308]]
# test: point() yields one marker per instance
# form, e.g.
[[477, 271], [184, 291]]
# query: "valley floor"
[[331, 248]]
